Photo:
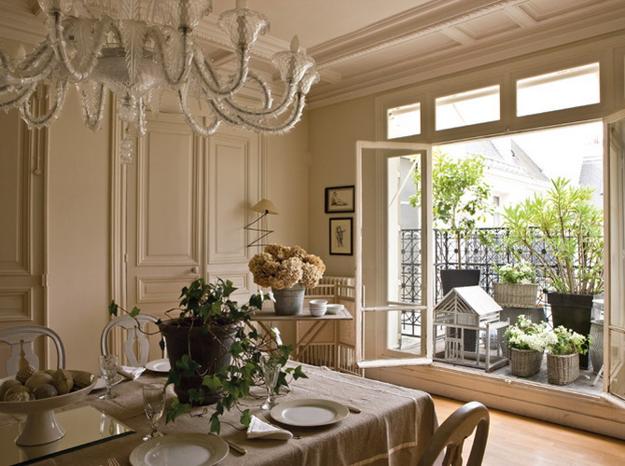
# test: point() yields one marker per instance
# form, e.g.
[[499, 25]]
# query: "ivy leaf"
[[246, 418], [212, 382], [135, 312], [298, 373], [113, 309], [186, 365], [256, 301], [236, 348], [176, 409], [215, 424]]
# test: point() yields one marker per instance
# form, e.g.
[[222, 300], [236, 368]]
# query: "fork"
[[113, 462]]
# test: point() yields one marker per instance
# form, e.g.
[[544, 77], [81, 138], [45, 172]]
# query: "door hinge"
[[44, 280]]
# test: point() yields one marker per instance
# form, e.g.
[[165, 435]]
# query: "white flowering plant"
[[563, 341], [527, 335], [522, 273]]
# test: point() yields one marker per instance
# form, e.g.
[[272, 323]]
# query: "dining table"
[[394, 425]]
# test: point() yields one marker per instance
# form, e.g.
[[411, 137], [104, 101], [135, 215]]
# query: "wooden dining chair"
[[450, 437], [136, 346], [23, 338]]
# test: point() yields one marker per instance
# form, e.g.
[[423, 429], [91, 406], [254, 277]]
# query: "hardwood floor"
[[516, 440]]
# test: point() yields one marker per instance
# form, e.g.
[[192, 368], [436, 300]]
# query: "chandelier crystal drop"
[[136, 49]]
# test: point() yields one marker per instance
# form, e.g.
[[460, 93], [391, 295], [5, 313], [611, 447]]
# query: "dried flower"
[[282, 267]]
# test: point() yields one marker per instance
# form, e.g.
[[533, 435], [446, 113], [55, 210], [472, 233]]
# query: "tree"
[[460, 195]]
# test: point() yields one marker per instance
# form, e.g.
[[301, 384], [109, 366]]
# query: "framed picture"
[[340, 199], [341, 236]]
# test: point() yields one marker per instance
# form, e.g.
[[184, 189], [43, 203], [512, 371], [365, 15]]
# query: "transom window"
[[468, 108]]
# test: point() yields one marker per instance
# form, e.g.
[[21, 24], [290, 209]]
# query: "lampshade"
[[265, 206]]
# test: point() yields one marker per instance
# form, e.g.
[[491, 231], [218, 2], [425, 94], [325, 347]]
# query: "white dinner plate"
[[100, 384], [158, 365], [180, 449], [309, 412]]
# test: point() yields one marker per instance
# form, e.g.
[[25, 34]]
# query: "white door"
[[188, 200], [388, 175], [22, 251], [614, 327]]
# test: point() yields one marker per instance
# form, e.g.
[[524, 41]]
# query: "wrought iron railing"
[[485, 250]]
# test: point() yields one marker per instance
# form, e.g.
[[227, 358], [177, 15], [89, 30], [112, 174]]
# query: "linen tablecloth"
[[395, 426]]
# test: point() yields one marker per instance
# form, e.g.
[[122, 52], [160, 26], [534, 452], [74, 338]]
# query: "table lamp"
[[264, 207]]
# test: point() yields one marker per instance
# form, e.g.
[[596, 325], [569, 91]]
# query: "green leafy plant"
[[209, 306], [563, 341], [460, 195], [571, 228], [526, 335], [520, 273]]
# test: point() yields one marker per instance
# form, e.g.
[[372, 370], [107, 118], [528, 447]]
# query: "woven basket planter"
[[515, 295], [525, 363], [562, 370]]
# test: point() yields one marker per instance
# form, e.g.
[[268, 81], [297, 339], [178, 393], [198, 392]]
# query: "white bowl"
[[318, 311], [318, 303], [333, 308]]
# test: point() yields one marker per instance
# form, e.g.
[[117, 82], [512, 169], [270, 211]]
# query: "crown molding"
[[407, 26], [462, 57]]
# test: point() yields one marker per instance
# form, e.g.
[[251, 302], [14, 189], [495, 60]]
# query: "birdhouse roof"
[[474, 298]]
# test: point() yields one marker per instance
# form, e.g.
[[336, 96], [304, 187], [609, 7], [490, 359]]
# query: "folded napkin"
[[131, 373], [261, 429]]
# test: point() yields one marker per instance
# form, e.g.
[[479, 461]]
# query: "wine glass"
[[271, 371], [154, 406], [108, 366]]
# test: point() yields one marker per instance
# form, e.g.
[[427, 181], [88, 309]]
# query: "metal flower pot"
[[289, 301], [573, 312], [596, 345]]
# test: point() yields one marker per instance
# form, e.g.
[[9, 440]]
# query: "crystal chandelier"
[[138, 48]]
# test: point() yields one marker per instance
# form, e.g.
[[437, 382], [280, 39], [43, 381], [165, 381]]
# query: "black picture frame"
[[348, 197], [348, 236]]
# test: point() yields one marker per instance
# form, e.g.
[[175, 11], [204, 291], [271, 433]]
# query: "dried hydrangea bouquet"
[[288, 271]]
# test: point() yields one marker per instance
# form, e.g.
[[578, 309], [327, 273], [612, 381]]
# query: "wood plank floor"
[[517, 440]]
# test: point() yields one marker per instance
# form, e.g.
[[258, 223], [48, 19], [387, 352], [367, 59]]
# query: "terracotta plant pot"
[[210, 349]]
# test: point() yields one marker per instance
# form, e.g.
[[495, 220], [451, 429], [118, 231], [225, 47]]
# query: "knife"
[[354, 409], [235, 446]]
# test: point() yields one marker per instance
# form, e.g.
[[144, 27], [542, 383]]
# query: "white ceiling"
[[317, 21]]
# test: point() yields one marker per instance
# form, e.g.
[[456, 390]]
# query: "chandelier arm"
[[298, 109], [18, 74], [157, 36], [193, 123], [207, 74], [93, 120], [141, 117], [41, 121], [277, 110], [19, 99], [60, 47]]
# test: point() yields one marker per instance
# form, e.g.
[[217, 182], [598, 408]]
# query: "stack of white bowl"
[[318, 307]]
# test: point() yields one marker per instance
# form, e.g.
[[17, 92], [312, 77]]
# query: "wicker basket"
[[525, 363], [562, 370], [516, 295]]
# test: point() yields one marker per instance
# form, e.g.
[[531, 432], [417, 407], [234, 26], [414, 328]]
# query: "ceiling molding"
[[434, 16], [462, 58], [519, 16]]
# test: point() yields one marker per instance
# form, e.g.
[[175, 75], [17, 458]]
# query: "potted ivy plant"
[[563, 347], [570, 227], [215, 356], [526, 341], [517, 285]]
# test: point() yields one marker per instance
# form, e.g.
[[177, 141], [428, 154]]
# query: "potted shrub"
[[215, 356], [526, 342], [570, 227], [517, 285], [563, 347], [288, 271]]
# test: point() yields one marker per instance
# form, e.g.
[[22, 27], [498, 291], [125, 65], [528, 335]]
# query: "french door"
[[614, 323], [393, 199]]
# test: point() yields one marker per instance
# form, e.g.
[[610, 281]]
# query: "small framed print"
[[340, 199], [341, 236]]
